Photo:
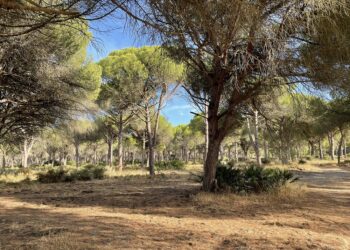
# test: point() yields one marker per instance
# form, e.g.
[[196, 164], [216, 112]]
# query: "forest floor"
[[170, 212]]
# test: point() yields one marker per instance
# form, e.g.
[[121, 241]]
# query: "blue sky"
[[110, 34]]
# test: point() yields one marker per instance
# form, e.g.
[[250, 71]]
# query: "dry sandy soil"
[[169, 212]]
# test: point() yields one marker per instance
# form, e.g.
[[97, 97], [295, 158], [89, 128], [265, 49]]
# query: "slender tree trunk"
[[341, 141], [120, 141], [110, 153], [77, 155], [255, 139], [143, 150], [3, 159], [331, 145], [206, 141], [344, 148], [266, 150], [236, 152], [150, 143], [320, 148]]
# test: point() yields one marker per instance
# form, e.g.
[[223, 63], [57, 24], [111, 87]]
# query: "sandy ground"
[[169, 213]]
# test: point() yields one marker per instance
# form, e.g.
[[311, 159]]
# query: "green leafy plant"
[[170, 165], [87, 173], [252, 179]]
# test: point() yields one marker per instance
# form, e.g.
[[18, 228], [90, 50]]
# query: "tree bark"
[[331, 145], [110, 152], [341, 141], [254, 137], [211, 164], [27, 146], [77, 156], [150, 143], [320, 148], [120, 141]]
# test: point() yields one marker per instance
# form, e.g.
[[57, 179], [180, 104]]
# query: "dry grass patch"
[[291, 195]]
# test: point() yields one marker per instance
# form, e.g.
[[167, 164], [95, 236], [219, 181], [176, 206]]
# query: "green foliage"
[[87, 173], [265, 161], [170, 165], [53, 176], [252, 179], [302, 161]]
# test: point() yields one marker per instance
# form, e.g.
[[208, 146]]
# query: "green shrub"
[[53, 175], [302, 161], [265, 161], [252, 179], [169, 165], [87, 173]]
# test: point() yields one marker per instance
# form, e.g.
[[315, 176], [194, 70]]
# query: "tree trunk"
[[110, 153], [27, 146], [266, 150], [143, 150], [150, 143], [120, 141], [331, 145], [211, 163], [3, 159], [341, 141], [77, 156], [344, 148], [320, 148], [206, 147], [236, 152], [255, 139]]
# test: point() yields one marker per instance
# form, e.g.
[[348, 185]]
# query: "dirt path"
[[166, 213]]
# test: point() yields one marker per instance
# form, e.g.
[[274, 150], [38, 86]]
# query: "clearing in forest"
[[169, 212]]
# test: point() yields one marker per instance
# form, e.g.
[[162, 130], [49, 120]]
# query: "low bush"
[[252, 179], [53, 175], [265, 161], [302, 161], [87, 173], [169, 165]]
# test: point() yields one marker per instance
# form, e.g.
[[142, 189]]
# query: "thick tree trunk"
[[210, 164]]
